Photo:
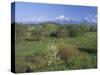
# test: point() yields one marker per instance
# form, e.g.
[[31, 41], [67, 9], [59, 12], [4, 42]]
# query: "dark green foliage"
[[62, 32], [93, 28], [29, 69], [74, 30], [89, 43], [49, 29], [53, 34], [84, 28]]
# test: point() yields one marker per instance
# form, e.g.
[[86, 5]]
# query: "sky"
[[27, 11]]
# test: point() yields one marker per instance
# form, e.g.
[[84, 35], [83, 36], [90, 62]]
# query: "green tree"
[[84, 27], [48, 29], [93, 28], [74, 30], [62, 32]]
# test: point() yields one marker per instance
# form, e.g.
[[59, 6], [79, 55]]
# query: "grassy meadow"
[[53, 47]]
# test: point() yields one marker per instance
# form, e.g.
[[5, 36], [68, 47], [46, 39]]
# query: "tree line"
[[53, 30]]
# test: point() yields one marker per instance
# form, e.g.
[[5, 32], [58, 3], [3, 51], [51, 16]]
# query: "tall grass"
[[84, 61]]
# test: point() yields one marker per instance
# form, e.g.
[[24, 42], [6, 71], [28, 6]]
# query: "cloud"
[[61, 17]]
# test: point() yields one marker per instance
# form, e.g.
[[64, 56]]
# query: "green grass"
[[33, 54], [83, 61]]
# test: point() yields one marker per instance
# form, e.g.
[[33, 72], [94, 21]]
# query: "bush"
[[62, 32], [35, 35], [93, 28], [84, 28], [49, 28], [67, 51], [74, 30], [84, 61], [20, 30], [52, 53], [89, 43], [36, 61], [57, 65], [53, 34]]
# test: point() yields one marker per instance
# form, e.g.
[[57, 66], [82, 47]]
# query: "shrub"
[[67, 51], [89, 43], [52, 53], [49, 28], [84, 61], [36, 35], [53, 34], [57, 65], [20, 30], [93, 28], [62, 32], [36, 61], [74, 30], [84, 28]]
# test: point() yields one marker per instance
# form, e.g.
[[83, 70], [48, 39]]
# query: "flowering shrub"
[[52, 53]]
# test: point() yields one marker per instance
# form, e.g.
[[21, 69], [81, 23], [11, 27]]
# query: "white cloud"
[[61, 17]]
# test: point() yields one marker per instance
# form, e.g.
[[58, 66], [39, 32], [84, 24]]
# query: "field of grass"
[[53, 54]]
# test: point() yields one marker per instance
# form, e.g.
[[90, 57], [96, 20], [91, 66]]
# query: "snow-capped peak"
[[61, 17]]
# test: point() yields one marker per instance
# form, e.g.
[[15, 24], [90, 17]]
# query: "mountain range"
[[59, 20]]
